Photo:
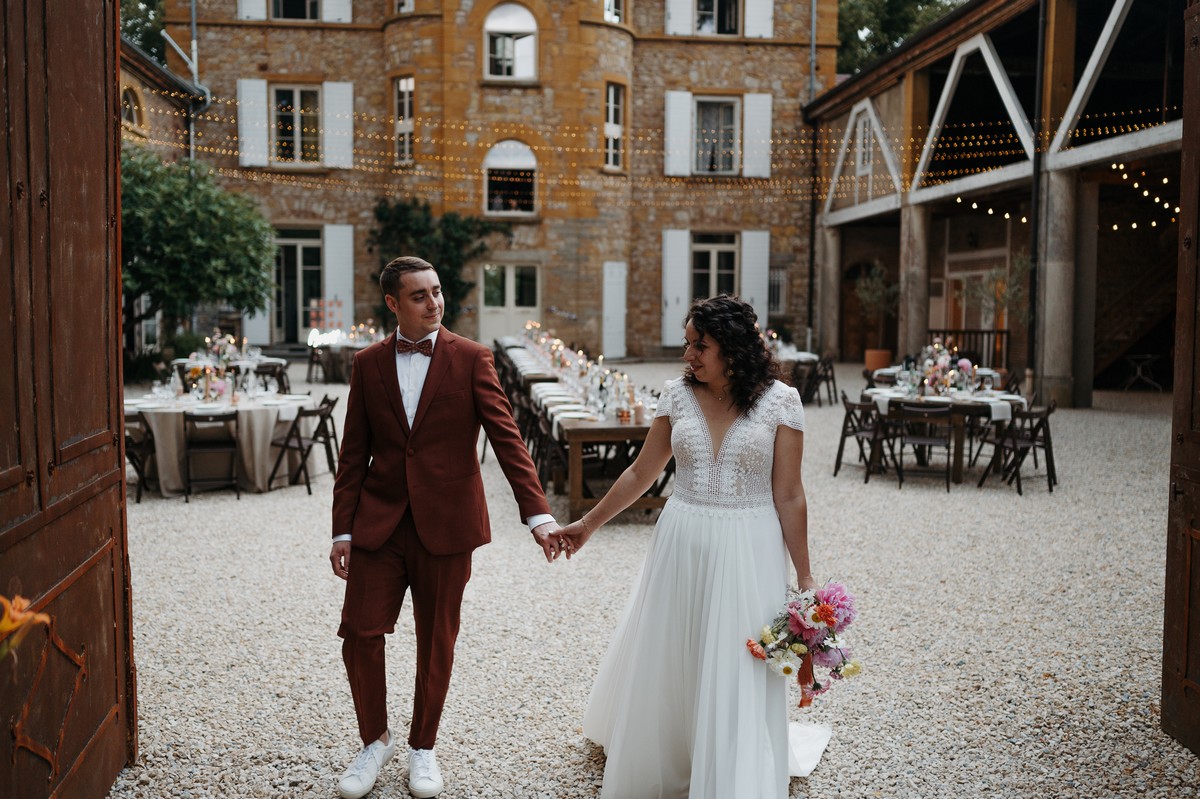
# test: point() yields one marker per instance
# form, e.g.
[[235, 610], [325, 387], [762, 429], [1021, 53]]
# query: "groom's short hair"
[[397, 268]]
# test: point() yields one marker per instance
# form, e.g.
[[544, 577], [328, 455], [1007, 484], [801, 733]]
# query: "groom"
[[409, 507]]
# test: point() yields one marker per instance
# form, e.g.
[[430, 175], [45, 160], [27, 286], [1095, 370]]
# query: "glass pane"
[[311, 257], [727, 16], [493, 286], [525, 286], [715, 238], [311, 288], [726, 274], [704, 16], [525, 56], [510, 190], [285, 233], [310, 126], [701, 274], [285, 122], [500, 56]]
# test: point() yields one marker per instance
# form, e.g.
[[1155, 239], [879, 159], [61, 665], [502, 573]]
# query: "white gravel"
[[1012, 644]]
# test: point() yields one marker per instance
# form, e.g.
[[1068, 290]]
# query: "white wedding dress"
[[680, 706]]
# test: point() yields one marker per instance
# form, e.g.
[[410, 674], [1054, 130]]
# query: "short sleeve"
[[666, 400], [787, 408]]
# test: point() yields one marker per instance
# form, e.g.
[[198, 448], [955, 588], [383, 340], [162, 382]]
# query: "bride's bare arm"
[[632, 483], [787, 486]]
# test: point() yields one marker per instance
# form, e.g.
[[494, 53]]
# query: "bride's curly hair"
[[732, 324]]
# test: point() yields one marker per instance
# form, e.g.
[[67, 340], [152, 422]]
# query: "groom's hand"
[[549, 540], [339, 556]]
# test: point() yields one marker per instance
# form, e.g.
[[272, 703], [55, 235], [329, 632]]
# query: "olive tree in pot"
[[878, 298]]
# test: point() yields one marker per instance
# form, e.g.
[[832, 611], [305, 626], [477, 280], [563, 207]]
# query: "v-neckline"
[[713, 449]]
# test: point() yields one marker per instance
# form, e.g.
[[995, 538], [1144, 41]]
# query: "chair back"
[[210, 427], [805, 381]]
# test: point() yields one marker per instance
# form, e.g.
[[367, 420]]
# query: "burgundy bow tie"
[[425, 347]]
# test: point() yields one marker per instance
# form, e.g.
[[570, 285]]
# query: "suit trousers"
[[375, 589]]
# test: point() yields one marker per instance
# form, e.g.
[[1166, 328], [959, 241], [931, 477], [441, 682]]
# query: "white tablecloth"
[[999, 405]]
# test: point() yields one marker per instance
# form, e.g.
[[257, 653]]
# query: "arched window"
[[132, 114], [511, 33], [509, 178]]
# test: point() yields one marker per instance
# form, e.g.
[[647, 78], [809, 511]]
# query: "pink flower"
[[842, 600], [964, 365]]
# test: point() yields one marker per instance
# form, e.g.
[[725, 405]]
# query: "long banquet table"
[[259, 420]]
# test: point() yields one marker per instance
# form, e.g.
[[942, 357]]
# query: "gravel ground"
[[1011, 644]]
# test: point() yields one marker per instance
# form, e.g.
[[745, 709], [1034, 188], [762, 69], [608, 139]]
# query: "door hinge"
[[1176, 490], [29, 477], [50, 467]]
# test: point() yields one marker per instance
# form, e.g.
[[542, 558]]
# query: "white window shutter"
[[760, 19], [677, 297], [755, 275], [253, 142], [677, 134], [613, 332], [337, 117], [256, 327], [756, 136], [679, 17], [252, 9], [337, 259], [335, 11]]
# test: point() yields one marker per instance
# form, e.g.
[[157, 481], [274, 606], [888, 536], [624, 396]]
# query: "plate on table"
[[275, 402], [136, 400], [296, 396], [154, 406]]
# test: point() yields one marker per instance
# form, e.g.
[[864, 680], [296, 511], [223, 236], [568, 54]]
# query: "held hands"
[[552, 544], [576, 533]]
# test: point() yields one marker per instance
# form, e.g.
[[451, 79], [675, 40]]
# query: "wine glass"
[[987, 382]]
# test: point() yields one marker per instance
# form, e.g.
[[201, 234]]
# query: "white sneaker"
[[359, 779], [424, 776]]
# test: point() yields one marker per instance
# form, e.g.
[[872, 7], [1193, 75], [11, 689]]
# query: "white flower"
[[784, 663]]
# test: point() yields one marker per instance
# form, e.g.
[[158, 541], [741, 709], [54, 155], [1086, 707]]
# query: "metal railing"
[[984, 347]]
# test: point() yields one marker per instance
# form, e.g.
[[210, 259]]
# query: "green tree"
[[870, 29], [186, 241], [878, 298], [142, 24], [408, 227]]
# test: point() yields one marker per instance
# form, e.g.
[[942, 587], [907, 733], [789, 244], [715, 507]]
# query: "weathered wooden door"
[[67, 715], [1181, 633]]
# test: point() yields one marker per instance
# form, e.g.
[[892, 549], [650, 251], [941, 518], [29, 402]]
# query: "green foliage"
[[876, 295], [186, 241], [143, 366], [870, 29], [142, 24], [1002, 290], [450, 243]]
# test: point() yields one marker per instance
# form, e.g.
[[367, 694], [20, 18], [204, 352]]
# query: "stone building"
[[644, 152], [968, 149]]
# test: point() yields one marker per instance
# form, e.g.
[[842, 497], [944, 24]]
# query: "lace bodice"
[[739, 476]]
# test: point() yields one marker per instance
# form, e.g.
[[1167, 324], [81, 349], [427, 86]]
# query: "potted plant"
[[878, 299]]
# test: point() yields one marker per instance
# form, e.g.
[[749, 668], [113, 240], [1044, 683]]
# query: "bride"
[[680, 707]]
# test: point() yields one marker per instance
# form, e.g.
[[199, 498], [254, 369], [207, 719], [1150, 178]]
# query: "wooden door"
[[67, 715], [1181, 616]]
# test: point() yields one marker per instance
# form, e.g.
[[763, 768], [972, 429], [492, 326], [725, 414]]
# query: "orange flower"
[[16, 622], [826, 613], [756, 649]]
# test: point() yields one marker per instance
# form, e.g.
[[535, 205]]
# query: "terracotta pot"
[[877, 359]]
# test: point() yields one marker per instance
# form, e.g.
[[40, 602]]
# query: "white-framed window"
[[717, 17], [614, 126], [299, 268], [405, 89], [714, 264], [511, 38], [133, 114], [404, 6], [614, 10], [296, 124], [296, 9], [716, 136], [510, 179]]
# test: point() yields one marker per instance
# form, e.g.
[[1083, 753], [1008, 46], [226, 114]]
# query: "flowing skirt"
[[679, 705]]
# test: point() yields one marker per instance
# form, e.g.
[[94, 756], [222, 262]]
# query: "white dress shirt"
[[411, 370]]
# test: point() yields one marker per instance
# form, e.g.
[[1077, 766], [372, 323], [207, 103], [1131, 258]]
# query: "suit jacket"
[[386, 468]]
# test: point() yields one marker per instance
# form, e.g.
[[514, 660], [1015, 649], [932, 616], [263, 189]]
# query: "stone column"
[[1087, 218], [914, 279], [1056, 290], [829, 278]]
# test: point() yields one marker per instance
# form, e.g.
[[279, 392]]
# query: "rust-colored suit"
[[413, 502]]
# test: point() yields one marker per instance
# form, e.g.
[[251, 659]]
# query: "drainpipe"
[[812, 204], [193, 63], [1035, 200]]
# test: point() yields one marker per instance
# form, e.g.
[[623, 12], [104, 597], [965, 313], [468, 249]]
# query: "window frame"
[[313, 6], [489, 196], [714, 248], [404, 6], [614, 130], [491, 36], [614, 11], [404, 126], [717, 5], [735, 103], [136, 120], [273, 127]]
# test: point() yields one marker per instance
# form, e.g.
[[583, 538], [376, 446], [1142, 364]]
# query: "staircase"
[[1132, 312]]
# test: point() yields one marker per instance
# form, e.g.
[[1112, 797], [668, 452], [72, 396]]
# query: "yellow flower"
[[767, 636], [16, 622], [852, 669], [799, 648]]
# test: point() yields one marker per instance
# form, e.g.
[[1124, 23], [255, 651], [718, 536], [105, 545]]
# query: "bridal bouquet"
[[807, 633]]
